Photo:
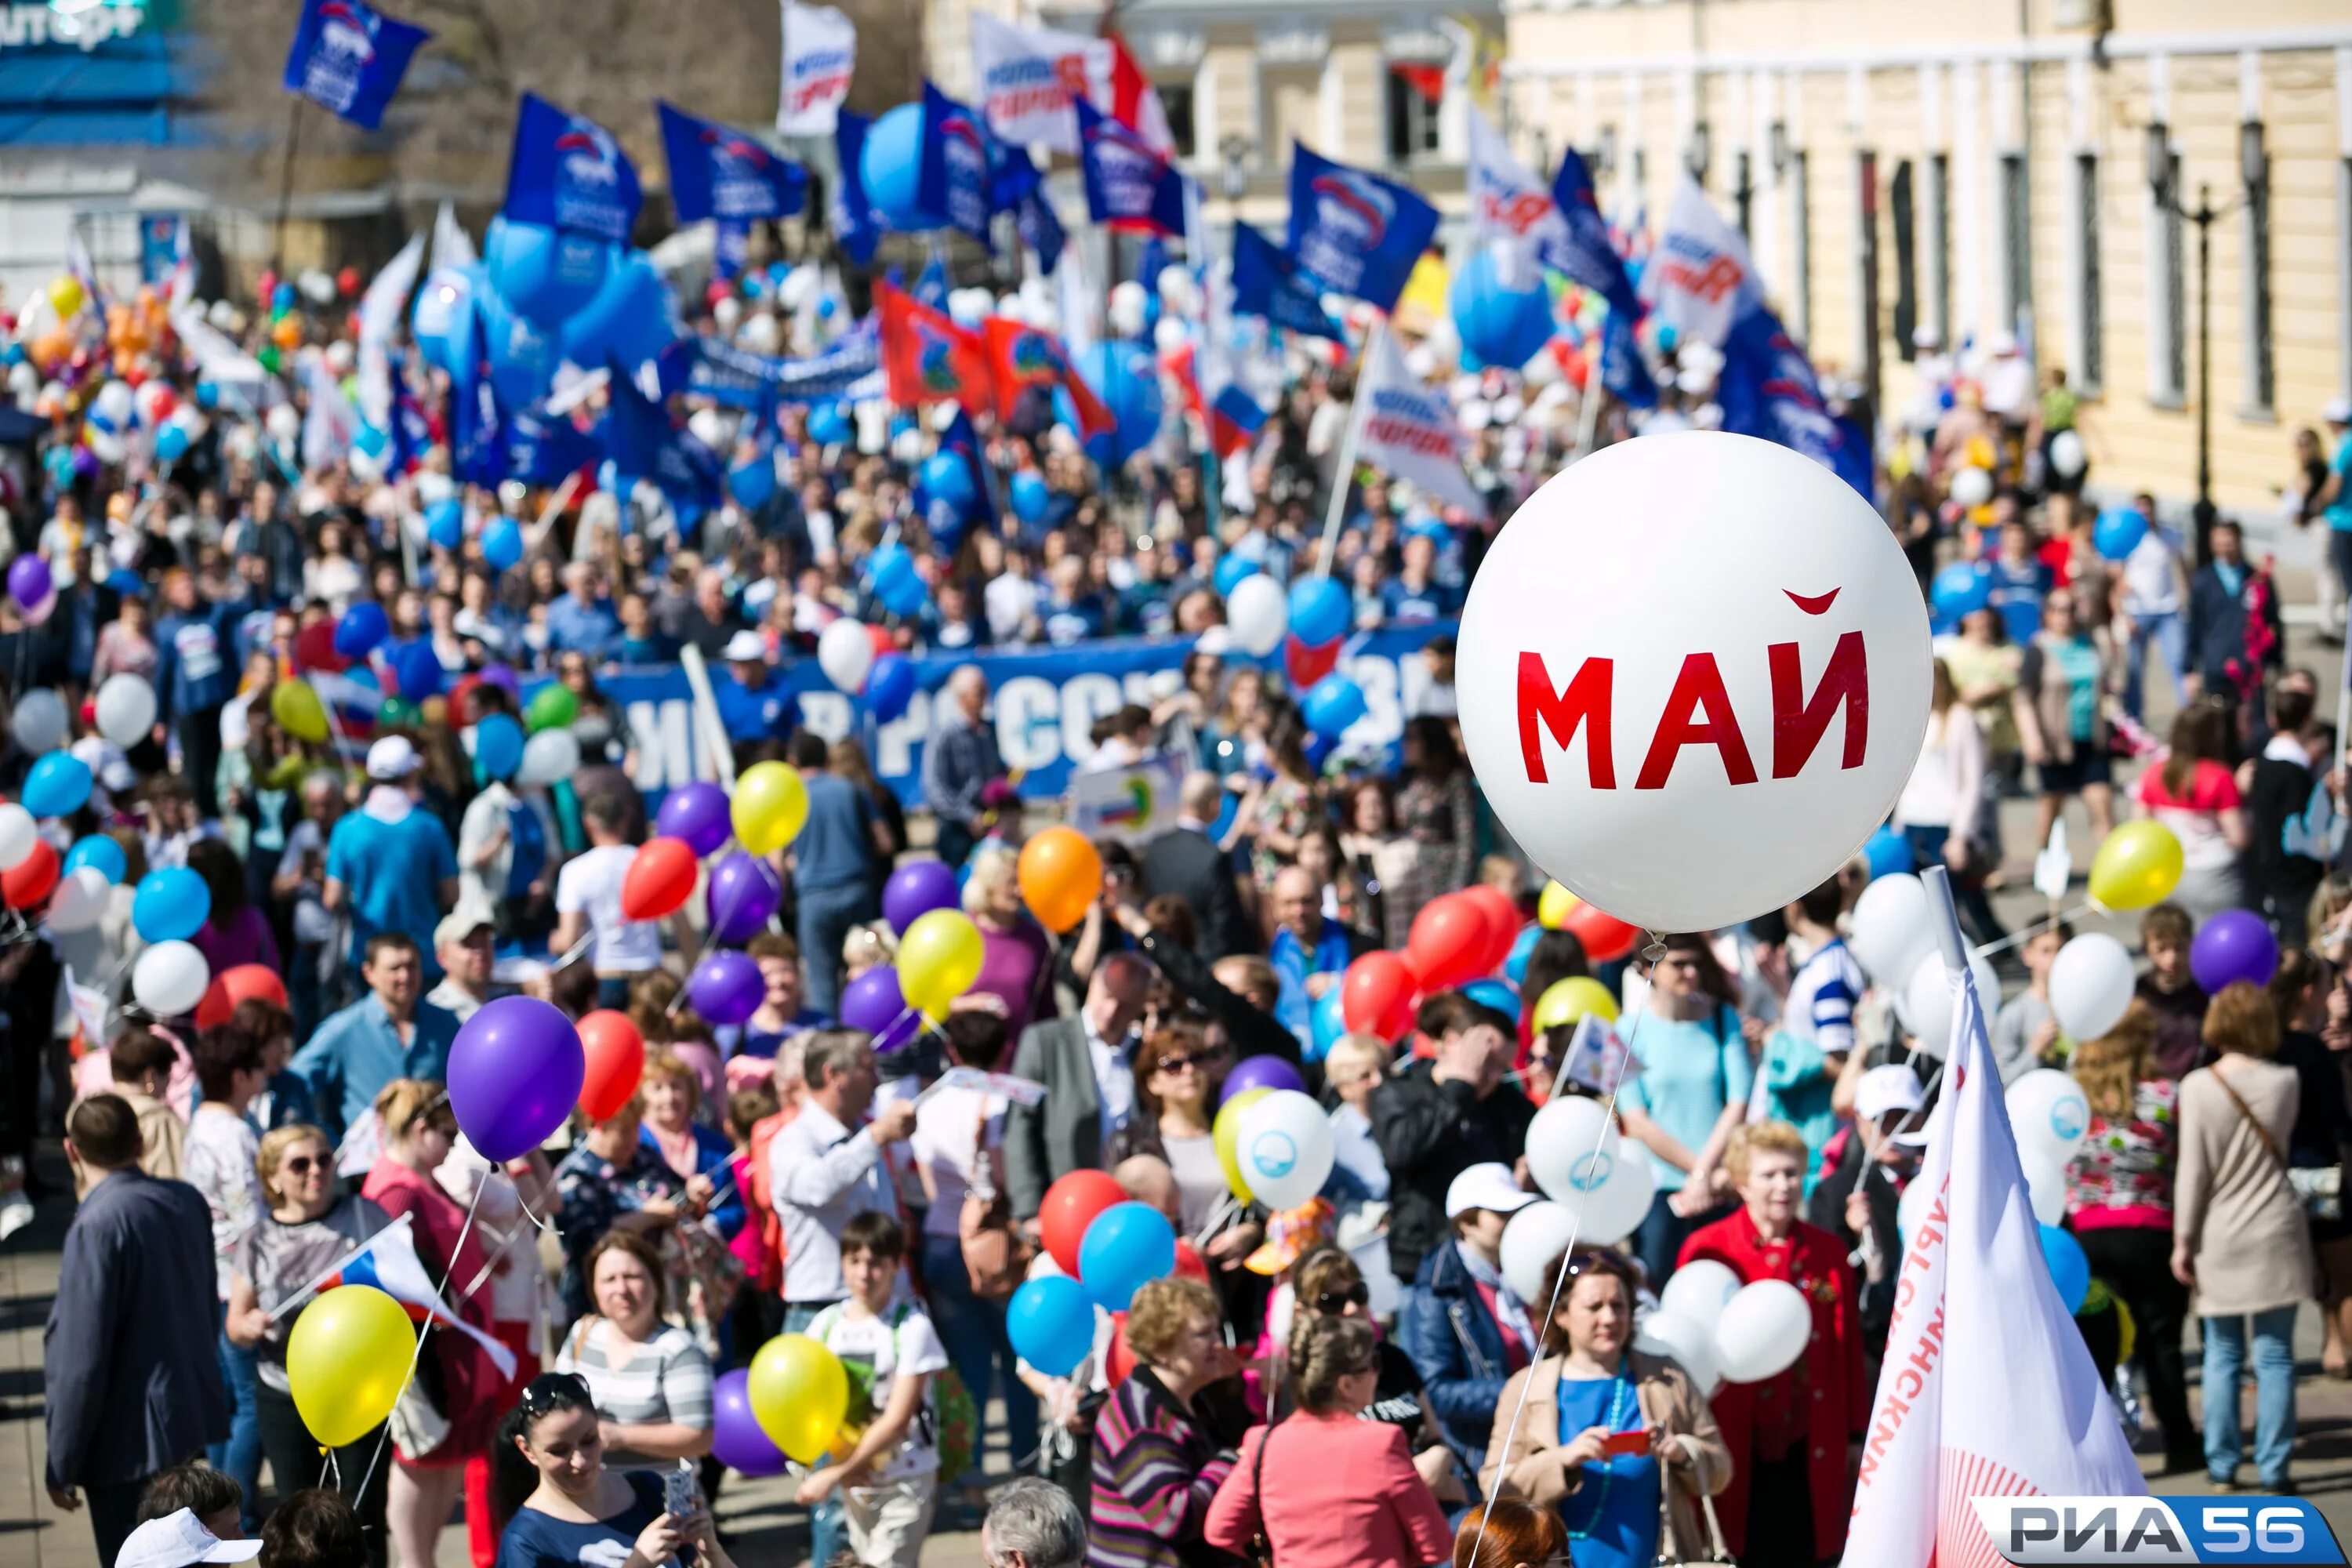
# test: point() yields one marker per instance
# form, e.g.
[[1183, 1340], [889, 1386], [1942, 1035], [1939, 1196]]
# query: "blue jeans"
[[239, 1458], [826, 916], [972, 1331], [828, 1533], [2225, 1364], [2170, 634]]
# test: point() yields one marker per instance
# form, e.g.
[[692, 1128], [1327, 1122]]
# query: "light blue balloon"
[[829, 426], [171, 905], [948, 478], [98, 851], [1523, 946], [1331, 704], [170, 444], [1051, 1324], [631, 319], [1030, 495], [57, 785], [522, 354], [1960, 589], [445, 522], [545, 274], [2070, 1270], [498, 746], [1326, 1023], [1231, 570], [1127, 1247], [1126, 377], [1887, 853], [443, 320], [1502, 997], [502, 542], [752, 483], [1320, 611], [2118, 533], [890, 167], [1501, 325]]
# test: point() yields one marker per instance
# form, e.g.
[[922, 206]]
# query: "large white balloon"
[[1284, 1148], [39, 723], [170, 978], [2049, 1112], [1258, 614], [2091, 986], [1699, 1291], [1971, 487], [1925, 1006], [1127, 306], [17, 834], [1564, 1134], [2046, 1184], [549, 755], [1891, 929], [1611, 1187], [846, 652], [1689, 1344], [1765, 1327], [2066, 453], [1535, 1238], [79, 901], [1681, 651], [126, 709]]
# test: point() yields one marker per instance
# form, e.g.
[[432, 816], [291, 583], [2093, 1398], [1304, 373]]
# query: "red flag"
[[1019, 356], [927, 358], [1134, 102], [1225, 435]]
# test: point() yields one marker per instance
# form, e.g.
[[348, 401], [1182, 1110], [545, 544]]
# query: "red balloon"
[[1448, 942], [1119, 1360], [245, 983], [347, 282], [1606, 937], [314, 649], [1376, 995], [658, 880], [1503, 922], [27, 884], [1071, 1205], [883, 638], [616, 1059], [1304, 666], [1190, 1264]]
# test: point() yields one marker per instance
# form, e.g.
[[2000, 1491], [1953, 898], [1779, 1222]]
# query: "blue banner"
[[737, 378], [348, 57], [957, 178], [1586, 256], [1357, 234], [1041, 231], [644, 444], [852, 215], [1267, 282], [569, 172], [718, 171], [1769, 390], [161, 242], [1128, 183]]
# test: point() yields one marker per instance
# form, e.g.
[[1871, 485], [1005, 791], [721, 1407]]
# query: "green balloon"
[[552, 707], [399, 711]]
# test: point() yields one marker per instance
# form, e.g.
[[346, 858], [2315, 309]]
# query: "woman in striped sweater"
[[1156, 1468]]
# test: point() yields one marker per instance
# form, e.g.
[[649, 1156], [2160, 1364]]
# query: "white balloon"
[[170, 978], [1925, 1006], [845, 652], [115, 406], [1611, 1186], [1178, 290], [547, 756], [282, 423], [39, 723], [1129, 305], [17, 834], [340, 356], [1891, 927], [1699, 1291], [1532, 1242], [317, 287], [1169, 334], [126, 709], [1764, 1329], [1565, 1134], [2066, 455], [433, 486], [104, 445], [79, 901], [1285, 1149], [2045, 1184], [726, 312], [761, 334], [2090, 985], [1971, 487], [1689, 1345], [708, 427], [1258, 614], [2049, 1112], [1748, 666]]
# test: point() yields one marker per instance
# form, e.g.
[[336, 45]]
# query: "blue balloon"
[[1331, 704], [1030, 496], [946, 477], [546, 275], [1504, 998], [100, 851], [207, 395], [501, 542], [171, 905], [1961, 589], [375, 443], [632, 318], [498, 746], [2118, 533], [829, 425], [1888, 852], [418, 668], [1051, 1324], [1127, 1247], [1500, 324], [170, 444], [443, 320], [1126, 377], [56, 785], [2069, 1270], [890, 167], [1523, 946], [363, 627], [522, 354], [891, 577], [889, 686], [1326, 1023], [1231, 570], [752, 483], [445, 522], [1320, 611], [284, 297]]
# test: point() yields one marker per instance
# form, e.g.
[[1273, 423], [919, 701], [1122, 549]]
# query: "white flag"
[[380, 313], [1410, 431], [820, 54], [1987, 1389], [452, 246], [1508, 204], [1699, 279], [1026, 78], [329, 421]]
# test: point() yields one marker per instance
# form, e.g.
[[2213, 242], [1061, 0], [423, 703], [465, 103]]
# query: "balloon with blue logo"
[[2070, 1270], [2118, 533], [443, 320], [1326, 1022], [171, 905], [1501, 995], [1126, 377], [1030, 496], [522, 354], [829, 425], [501, 542], [1887, 852], [1126, 1247], [56, 785], [889, 686], [1050, 1323], [99, 852], [946, 477], [1961, 589], [890, 167], [418, 671], [363, 628], [1523, 946], [498, 746], [445, 523], [1231, 570], [1285, 1149], [1503, 321], [1331, 704], [545, 274], [1321, 611], [170, 443], [2050, 1114], [631, 319], [752, 483]]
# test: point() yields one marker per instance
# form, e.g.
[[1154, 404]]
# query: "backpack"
[[995, 1255], [949, 1420]]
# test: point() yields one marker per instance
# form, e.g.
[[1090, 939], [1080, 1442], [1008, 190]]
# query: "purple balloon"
[[743, 894], [874, 1002], [1261, 1073], [502, 676], [726, 987], [2234, 945], [915, 889], [515, 1072], [28, 580], [735, 1439], [696, 812]]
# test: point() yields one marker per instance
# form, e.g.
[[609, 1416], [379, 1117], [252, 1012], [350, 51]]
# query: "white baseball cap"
[[1486, 1186], [2337, 412], [177, 1541], [1884, 1090], [745, 647], [392, 758]]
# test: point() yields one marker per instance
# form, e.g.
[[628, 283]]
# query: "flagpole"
[[286, 181], [1344, 477], [1196, 254]]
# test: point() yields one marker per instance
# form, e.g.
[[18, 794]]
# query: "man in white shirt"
[[824, 1168], [588, 897]]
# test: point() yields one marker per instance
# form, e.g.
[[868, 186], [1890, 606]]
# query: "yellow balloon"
[[939, 958], [296, 706], [1566, 1000], [347, 1360], [1226, 1132], [2139, 865], [769, 806], [1553, 907], [65, 296], [800, 1393]]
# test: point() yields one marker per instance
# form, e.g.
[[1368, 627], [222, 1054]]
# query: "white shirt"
[[822, 1176], [877, 1351], [952, 1129], [591, 884], [2151, 577], [218, 1162], [1114, 1081]]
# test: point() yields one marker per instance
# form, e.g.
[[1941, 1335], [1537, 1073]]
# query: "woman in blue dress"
[[558, 1507]]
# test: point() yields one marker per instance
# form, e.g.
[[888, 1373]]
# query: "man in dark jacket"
[[1463, 1330], [2279, 879], [132, 1380], [1186, 862], [2222, 599], [1089, 1085], [1435, 1119], [958, 761]]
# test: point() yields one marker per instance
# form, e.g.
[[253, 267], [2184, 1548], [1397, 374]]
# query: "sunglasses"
[[550, 1390], [1356, 1295], [1197, 1060], [302, 1164]]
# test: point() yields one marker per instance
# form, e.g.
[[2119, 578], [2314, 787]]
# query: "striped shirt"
[[1154, 1476], [666, 1379]]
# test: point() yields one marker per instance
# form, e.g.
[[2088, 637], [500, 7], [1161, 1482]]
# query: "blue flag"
[[962, 441], [718, 172], [1268, 283], [730, 246], [932, 286], [1356, 233], [638, 435], [569, 172], [348, 57], [1623, 371], [1769, 390], [1129, 185], [957, 178], [1041, 231], [1585, 255], [411, 432], [477, 443], [543, 449], [853, 222]]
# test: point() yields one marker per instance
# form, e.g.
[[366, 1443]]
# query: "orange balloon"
[[286, 333], [1606, 937], [52, 349], [1061, 874], [245, 983], [617, 1060]]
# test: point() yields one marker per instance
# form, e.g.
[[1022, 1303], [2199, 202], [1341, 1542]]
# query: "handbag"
[[995, 1255], [1261, 1544], [2318, 1188], [1673, 1553]]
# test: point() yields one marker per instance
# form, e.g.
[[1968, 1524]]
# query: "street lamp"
[[2162, 188], [1232, 150]]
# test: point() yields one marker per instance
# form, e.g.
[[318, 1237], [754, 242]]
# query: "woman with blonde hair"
[[1016, 965]]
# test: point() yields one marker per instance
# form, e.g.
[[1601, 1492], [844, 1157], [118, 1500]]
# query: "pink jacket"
[[1336, 1492]]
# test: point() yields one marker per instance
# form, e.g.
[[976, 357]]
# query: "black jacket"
[[1187, 862], [1429, 1133]]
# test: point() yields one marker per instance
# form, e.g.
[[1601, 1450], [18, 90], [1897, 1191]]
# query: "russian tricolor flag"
[[388, 1261]]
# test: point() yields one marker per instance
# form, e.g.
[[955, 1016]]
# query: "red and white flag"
[[388, 1261], [1987, 1389], [1028, 75]]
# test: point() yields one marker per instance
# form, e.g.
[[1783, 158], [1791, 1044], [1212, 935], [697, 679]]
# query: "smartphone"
[[680, 1495], [1626, 1445]]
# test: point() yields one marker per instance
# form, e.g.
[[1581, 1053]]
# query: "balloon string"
[[718, 922], [1655, 951], [417, 1353], [2028, 932]]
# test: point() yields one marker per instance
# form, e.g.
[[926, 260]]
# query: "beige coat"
[[2231, 1204], [1530, 1467]]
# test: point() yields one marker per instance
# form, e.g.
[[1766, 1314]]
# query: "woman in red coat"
[[1791, 1435]]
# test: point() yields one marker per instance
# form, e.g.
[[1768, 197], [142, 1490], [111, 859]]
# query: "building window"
[[2089, 370], [1865, 261], [1800, 246], [2344, 276], [2261, 370], [2017, 241], [2168, 326], [1416, 92], [1939, 247], [1176, 97], [1900, 212]]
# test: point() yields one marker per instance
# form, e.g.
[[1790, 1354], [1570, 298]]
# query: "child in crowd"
[[218, 1502], [2026, 1030], [2167, 987]]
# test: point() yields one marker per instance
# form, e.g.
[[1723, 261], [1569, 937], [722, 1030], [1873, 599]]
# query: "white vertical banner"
[[820, 55], [452, 246], [1699, 279], [1410, 431], [380, 311]]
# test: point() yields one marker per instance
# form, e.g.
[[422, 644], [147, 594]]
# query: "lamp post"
[[2203, 514], [1233, 151]]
